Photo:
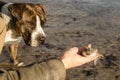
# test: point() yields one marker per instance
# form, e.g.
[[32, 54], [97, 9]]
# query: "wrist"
[[66, 64]]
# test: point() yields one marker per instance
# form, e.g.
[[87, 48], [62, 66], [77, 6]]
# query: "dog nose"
[[42, 40]]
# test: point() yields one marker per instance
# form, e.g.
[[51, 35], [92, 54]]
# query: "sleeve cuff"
[[57, 69]]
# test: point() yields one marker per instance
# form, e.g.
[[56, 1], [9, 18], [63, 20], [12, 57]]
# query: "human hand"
[[71, 58]]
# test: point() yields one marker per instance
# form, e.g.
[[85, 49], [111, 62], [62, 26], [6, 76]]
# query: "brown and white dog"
[[23, 20]]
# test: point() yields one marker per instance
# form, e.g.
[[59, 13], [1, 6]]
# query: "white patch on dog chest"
[[9, 40]]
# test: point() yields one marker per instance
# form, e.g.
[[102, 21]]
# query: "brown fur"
[[23, 23]]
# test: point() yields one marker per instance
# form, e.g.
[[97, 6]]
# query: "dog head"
[[29, 20]]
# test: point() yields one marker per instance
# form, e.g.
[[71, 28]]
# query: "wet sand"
[[77, 23]]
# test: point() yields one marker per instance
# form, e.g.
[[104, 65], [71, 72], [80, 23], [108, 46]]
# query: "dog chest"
[[11, 38]]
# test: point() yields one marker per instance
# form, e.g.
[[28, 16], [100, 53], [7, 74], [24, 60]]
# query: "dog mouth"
[[34, 39], [35, 42]]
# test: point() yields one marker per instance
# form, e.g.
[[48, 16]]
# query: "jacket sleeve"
[[49, 70]]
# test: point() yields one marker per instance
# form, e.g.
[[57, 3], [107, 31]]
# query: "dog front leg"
[[13, 53]]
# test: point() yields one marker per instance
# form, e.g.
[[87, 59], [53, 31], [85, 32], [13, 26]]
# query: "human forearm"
[[47, 70]]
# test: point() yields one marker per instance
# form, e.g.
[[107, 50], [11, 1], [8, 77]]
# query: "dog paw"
[[20, 64]]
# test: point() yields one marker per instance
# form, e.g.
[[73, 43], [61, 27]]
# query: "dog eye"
[[30, 25], [29, 22]]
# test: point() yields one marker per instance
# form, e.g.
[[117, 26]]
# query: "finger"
[[74, 50], [88, 59], [89, 46], [94, 56], [96, 50]]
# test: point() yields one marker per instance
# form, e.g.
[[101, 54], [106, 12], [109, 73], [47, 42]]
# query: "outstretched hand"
[[71, 58]]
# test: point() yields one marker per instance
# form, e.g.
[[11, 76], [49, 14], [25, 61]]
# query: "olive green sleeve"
[[8, 74], [48, 70]]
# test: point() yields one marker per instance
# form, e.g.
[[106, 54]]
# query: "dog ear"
[[40, 9], [43, 6], [16, 10]]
